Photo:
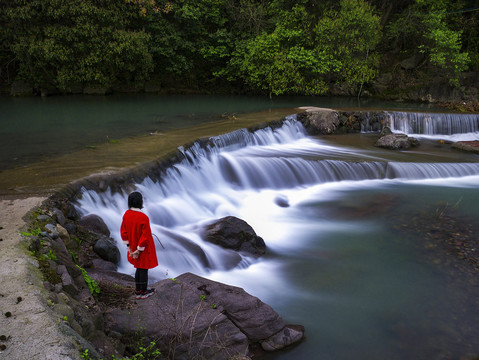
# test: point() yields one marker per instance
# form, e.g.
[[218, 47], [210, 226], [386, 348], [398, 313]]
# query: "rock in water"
[[233, 233], [95, 224], [107, 250], [397, 142]]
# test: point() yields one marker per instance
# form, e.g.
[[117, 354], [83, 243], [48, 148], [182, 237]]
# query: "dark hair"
[[135, 200]]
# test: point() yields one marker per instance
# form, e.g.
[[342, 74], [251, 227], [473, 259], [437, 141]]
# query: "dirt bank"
[[28, 330]]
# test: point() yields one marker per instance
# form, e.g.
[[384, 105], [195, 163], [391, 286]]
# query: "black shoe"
[[147, 293]]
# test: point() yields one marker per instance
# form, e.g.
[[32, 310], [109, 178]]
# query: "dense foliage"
[[273, 47]]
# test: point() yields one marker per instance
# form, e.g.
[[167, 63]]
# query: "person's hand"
[[135, 254]]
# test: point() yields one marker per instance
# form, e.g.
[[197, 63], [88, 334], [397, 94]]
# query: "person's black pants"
[[141, 279]]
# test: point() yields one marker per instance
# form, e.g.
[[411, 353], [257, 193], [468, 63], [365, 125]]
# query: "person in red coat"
[[136, 235]]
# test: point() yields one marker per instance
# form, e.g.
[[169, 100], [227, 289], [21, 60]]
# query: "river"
[[337, 261]]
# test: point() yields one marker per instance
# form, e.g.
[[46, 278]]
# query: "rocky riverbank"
[[96, 308]]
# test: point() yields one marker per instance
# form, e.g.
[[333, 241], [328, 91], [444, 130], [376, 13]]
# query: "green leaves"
[[92, 283], [442, 44], [428, 26], [350, 37], [299, 56], [84, 43], [276, 47]]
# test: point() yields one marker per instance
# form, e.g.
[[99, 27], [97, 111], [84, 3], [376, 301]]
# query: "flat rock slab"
[[193, 315]]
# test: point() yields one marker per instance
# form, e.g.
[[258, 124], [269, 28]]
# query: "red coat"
[[135, 230]]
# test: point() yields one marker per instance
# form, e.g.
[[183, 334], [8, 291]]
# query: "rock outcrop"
[[320, 121], [193, 315], [235, 234]]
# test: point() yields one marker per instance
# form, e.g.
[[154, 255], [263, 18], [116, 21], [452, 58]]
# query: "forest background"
[[307, 47]]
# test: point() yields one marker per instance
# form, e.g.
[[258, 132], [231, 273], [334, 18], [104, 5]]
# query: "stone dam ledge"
[[323, 121], [317, 121]]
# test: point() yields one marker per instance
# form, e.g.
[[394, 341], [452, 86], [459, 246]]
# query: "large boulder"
[[106, 248], [320, 121], [95, 224], [192, 315], [235, 234]]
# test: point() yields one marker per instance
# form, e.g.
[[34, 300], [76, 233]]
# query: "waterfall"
[[241, 174], [462, 126]]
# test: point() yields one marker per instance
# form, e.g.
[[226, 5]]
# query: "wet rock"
[[289, 335], [385, 131], [107, 250], [233, 233], [71, 228], [470, 146], [70, 211], [281, 201], [95, 224], [397, 142], [52, 230]]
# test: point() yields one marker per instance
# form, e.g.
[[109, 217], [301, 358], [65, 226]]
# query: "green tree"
[[285, 60], [350, 37], [190, 42], [60, 44], [311, 46], [428, 26]]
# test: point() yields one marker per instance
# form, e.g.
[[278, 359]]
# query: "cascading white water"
[[242, 174], [436, 125]]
